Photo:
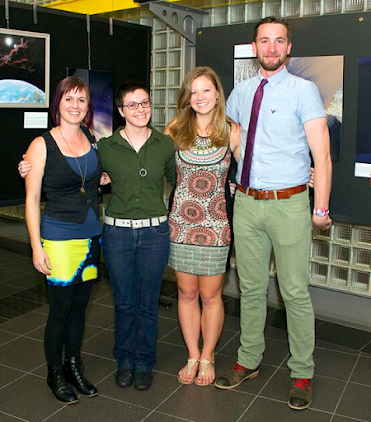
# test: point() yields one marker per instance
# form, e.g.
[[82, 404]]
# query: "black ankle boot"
[[59, 386], [74, 371]]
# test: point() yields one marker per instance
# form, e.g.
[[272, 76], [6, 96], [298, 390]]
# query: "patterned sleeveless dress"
[[199, 230]]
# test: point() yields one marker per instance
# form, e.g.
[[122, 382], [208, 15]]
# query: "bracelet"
[[321, 212]]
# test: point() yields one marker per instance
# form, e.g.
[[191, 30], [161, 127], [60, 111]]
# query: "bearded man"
[[282, 119]]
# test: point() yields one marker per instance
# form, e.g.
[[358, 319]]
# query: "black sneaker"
[[124, 377], [142, 380]]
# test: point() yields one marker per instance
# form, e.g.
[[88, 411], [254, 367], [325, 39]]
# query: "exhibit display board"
[[334, 52], [38, 55]]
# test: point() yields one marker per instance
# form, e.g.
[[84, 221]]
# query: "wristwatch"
[[321, 212]]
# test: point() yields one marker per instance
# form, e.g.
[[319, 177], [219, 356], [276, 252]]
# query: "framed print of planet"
[[24, 69]]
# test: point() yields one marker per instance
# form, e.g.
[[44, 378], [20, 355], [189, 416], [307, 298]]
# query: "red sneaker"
[[300, 396], [234, 377]]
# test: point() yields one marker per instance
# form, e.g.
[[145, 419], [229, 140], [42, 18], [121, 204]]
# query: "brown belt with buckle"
[[269, 194]]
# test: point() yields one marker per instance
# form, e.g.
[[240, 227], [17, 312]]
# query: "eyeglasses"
[[134, 106]]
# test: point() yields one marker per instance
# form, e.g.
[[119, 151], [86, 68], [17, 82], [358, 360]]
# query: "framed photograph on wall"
[[24, 69]]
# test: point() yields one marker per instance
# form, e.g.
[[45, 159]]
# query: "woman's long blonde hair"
[[183, 130]]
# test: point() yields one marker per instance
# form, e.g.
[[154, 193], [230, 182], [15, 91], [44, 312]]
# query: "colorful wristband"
[[321, 212]]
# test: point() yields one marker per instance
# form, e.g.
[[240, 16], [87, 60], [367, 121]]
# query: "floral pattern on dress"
[[174, 230], [226, 236], [202, 184], [192, 212], [178, 175], [202, 236], [217, 208]]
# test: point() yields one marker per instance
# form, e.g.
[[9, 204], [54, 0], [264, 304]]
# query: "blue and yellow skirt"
[[72, 261]]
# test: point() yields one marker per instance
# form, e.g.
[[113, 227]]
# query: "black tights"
[[65, 326]]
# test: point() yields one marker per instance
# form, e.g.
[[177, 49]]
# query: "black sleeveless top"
[[62, 185]]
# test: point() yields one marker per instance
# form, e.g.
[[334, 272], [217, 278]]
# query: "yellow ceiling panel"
[[93, 7]]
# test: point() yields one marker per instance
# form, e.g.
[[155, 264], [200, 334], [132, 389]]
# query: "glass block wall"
[[37, 2], [167, 74], [255, 10], [341, 258]]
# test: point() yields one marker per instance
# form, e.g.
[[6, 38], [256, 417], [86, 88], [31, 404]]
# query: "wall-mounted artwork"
[[363, 145], [326, 72], [24, 69], [101, 91]]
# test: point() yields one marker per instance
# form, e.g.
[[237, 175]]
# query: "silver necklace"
[[83, 177], [142, 172]]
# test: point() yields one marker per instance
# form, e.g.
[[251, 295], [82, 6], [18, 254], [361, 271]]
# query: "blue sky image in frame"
[[24, 69]]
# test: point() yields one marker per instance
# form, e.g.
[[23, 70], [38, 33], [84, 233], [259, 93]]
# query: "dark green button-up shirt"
[[134, 196]]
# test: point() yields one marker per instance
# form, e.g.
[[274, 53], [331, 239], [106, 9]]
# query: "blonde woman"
[[200, 237]]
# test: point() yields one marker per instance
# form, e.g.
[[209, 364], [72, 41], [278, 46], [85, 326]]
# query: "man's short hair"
[[273, 19]]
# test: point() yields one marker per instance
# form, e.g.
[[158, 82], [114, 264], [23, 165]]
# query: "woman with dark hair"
[[199, 230], [136, 232], [66, 248]]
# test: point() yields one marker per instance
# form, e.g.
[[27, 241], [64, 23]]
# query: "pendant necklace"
[[142, 172], [83, 176], [203, 145]]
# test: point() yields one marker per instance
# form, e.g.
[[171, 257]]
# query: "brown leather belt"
[[269, 194]]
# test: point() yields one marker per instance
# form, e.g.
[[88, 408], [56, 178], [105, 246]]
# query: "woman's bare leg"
[[189, 314], [212, 321]]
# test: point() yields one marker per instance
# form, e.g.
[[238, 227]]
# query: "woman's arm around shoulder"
[[235, 140], [168, 127], [170, 164]]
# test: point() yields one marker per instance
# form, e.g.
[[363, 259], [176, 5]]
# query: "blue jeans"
[[136, 260]]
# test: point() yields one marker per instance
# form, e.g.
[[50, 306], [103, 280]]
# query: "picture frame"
[[24, 69]]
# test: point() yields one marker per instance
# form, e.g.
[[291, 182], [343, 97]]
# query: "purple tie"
[[245, 177]]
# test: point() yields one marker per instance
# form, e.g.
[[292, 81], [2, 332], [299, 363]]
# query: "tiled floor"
[[343, 364]]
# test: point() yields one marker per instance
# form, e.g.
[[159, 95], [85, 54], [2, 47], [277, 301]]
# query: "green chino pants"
[[286, 225]]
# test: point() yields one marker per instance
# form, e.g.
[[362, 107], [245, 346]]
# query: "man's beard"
[[271, 66]]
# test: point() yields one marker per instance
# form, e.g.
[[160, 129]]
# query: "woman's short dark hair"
[[71, 83], [126, 87]]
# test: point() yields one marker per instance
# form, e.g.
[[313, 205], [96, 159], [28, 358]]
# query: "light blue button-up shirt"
[[281, 152]]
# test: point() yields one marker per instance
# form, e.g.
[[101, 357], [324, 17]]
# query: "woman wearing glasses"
[[136, 231]]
